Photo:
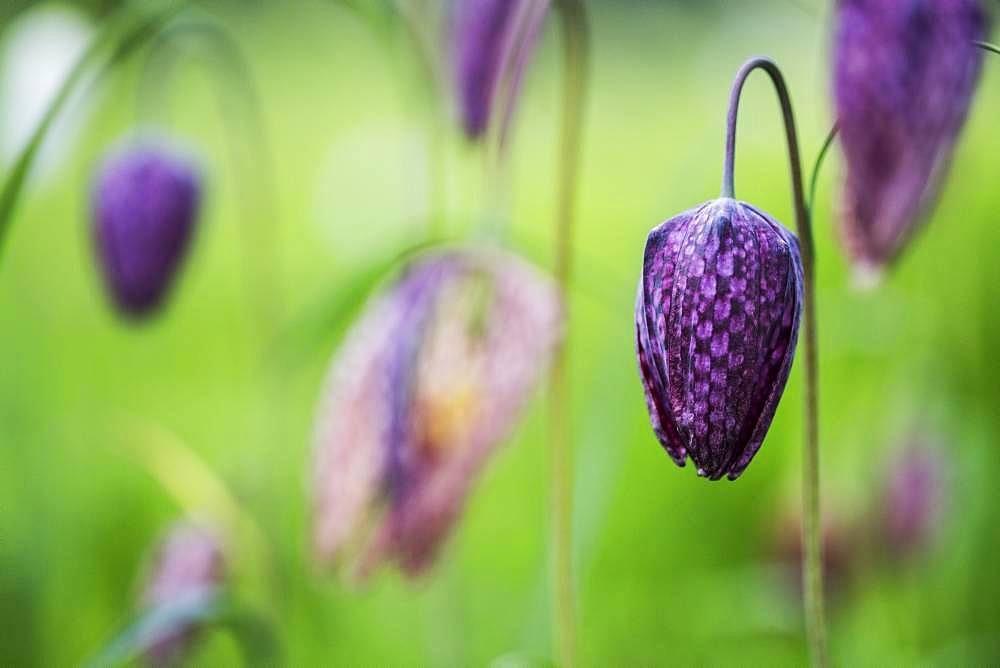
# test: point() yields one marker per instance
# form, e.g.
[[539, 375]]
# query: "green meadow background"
[[670, 569]]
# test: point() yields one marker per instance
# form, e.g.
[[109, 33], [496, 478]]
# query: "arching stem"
[[576, 62], [250, 152], [812, 572], [986, 46], [818, 165], [126, 31]]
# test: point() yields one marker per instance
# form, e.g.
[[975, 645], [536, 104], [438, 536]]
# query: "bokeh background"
[[671, 569]]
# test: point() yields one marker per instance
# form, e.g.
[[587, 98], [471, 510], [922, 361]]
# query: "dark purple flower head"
[[144, 210], [428, 384], [904, 75], [717, 319], [492, 42], [188, 565], [913, 499]]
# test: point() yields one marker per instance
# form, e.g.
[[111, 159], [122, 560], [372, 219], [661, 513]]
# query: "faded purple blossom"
[[189, 563], [913, 499], [717, 319], [430, 381], [144, 209], [492, 43], [904, 75]]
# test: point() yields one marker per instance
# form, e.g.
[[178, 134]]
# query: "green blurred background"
[[671, 569]]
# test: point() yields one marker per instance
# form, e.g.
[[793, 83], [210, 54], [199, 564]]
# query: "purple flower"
[[144, 207], [904, 75], [913, 499], [717, 320], [430, 381], [492, 42], [189, 564]]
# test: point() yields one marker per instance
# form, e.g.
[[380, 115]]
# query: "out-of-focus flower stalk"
[[124, 32], [813, 571], [250, 152], [575, 69]]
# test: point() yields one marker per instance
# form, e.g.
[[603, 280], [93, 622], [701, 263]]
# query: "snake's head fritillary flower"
[[904, 75], [913, 499], [145, 203], [428, 384], [189, 564], [492, 43], [717, 319]]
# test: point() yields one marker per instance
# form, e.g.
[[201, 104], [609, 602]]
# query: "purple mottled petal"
[[144, 208], [490, 375], [352, 430], [656, 287], [904, 75]]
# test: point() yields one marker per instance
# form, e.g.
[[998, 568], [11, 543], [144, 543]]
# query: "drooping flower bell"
[[904, 75], [428, 384], [912, 499], [189, 565], [717, 318], [492, 43], [145, 203]]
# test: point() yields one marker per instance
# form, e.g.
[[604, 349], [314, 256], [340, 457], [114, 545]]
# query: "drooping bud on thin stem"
[[813, 572]]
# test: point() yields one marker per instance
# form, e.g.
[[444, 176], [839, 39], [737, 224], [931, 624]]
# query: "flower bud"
[[717, 318], [492, 42], [144, 207], [189, 563], [428, 384], [912, 499], [904, 76]]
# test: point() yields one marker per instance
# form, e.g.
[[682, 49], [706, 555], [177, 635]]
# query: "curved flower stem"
[[249, 148], [986, 46], [576, 38], [818, 165], [812, 573], [124, 30]]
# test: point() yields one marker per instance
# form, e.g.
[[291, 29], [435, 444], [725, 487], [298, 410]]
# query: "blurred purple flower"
[[144, 209], [904, 75], [189, 563], [492, 43], [717, 320], [428, 384], [913, 499]]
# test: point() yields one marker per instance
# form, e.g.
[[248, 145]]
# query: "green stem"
[[127, 33], [818, 165], [576, 47], [249, 148], [986, 46], [812, 572]]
